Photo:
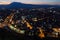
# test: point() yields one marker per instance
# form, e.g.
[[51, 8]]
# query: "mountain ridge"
[[22, 5]]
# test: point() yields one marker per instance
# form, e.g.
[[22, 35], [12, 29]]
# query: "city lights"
[[42, 23]]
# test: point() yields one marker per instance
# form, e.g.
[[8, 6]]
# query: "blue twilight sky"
[[34, 1]]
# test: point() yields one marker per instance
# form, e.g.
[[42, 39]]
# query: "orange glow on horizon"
[[50, 3], [4, 3]]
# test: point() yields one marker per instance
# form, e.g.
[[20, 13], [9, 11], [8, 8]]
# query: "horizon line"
[[35, 3]]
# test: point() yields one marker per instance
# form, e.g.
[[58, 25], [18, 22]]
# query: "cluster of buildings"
[[42, 22]]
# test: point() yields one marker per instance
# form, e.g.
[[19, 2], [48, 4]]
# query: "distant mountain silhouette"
[[22, 5]]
